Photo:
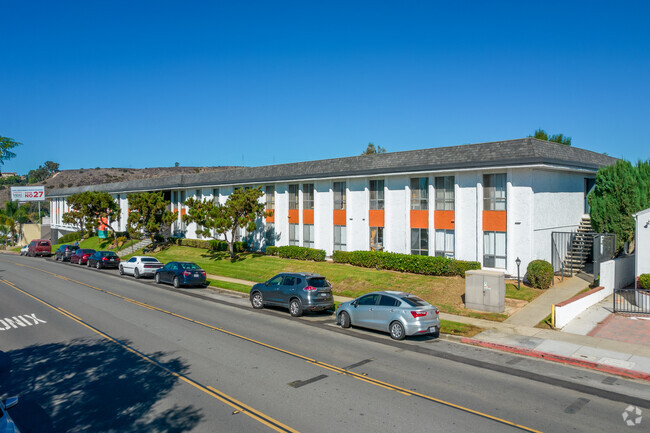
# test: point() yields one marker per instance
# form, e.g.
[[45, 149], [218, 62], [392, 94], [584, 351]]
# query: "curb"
[[561, 359]]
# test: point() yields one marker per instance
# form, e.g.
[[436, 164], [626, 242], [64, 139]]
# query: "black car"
[[296, 291], [64, 252], [104, 259], [181, 274]]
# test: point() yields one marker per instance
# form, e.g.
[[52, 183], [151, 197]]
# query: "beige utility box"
[[485, 291]]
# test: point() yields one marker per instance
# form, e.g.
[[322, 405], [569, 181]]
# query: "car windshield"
[[150, 259], [415, 301], [318, 282], [108, 253], [189, 266]]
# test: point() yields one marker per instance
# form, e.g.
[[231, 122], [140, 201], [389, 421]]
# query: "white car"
[[6, 423], [140, 266], [24, 250]]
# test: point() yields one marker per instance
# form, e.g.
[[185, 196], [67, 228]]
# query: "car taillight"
[[187, 273], [437, 312], [203, 273], [104, 258], [310, 289], [417, 314]]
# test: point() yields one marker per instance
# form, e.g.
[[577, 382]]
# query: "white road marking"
[[15, 322]]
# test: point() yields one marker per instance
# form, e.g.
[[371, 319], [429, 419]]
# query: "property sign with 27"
[[27, 193]]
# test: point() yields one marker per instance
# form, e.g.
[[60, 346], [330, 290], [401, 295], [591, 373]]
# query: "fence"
[[581, 251], [632, 300]]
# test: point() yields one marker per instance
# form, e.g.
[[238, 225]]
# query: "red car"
[[39, 247], [81, 256]]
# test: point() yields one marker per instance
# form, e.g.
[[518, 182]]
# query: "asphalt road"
[[90, 351]]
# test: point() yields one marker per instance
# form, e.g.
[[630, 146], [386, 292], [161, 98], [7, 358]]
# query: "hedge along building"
[[487, 202]]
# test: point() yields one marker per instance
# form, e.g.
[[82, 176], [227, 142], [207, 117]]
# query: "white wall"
[[642, 243], [520, 220], [324, 216], [566, 313], [617, 273], [467, 217], [396, 216], [358, 237]]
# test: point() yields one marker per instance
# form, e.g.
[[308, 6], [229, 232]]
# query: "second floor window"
[[376, 194], [339, 195], [293, 196], [419, 193], [308, 196], [270, 197], [444, 193], [215, 195], [494, 191]]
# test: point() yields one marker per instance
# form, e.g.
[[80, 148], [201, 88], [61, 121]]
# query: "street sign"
[[28, 193]]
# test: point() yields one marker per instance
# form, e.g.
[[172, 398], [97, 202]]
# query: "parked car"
[[398, 313], [39, 247], [296, 291], [6, 423], [64, 252], [140, 266], [24, 250], [103, 259], [181, 274], [81, 255]]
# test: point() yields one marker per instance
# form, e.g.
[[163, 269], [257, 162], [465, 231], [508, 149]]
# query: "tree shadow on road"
[[93, 385]]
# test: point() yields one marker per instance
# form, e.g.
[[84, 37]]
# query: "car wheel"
[[98, 266], [157, 278], [177, 283], [121, 270], [136, 273], [295, 308], [88, 263], [436, 333], [257, 301], [397, 331], [344, 320]]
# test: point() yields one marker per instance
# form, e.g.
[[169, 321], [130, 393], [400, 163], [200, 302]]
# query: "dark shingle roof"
[[495, 154]]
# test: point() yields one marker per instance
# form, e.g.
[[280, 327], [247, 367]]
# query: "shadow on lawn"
[[91, 386], [224, 255]]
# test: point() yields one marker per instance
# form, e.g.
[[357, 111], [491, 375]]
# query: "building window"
[[308, 235], [269, 234], [494, 250], [340, 238], [270, 197], [445, 243], [339, 195], [198, 194], [294, 238], [308, 196], [494, 192], [420, 242], [183, 197], [444, 193], [376, 239], [419, 193], [215, 195], [376, 194], [293, 196]]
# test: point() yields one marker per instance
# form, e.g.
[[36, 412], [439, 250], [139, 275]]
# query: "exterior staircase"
[[581, 247], [135, 247]]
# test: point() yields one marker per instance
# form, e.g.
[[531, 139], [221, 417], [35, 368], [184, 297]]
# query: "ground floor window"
[[420, 242], [308, 235], [340, 238], [376, 239], [445, 243], [494, 250], [294, 238], [269, 234]]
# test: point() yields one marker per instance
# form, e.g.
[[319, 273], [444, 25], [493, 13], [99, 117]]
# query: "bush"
[[426, 265], [212, 245], [301, 253], [540, 274], [70, 237], [644, 281], [271, 250]]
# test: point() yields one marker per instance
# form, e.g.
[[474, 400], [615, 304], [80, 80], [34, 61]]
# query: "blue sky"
[[143, 83]]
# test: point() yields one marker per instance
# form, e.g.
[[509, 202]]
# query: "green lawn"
[[98, 244], [526, 293], [461, 329]]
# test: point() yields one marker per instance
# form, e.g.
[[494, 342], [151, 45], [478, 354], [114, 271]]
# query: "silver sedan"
[[140, 266], [398, 313]]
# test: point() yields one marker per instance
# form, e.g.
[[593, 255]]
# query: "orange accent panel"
[[270, 218], [308, 216], [419, 219], [294, 216], [444, 219], [494, 221], [376, 218], [183, 212], [339, 217]]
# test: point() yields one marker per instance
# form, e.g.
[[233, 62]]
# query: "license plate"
[[432, 329], [196, 275], [323, 294], [112, 260]]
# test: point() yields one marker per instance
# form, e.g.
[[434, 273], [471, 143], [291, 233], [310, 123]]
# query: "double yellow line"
[[376, 382]]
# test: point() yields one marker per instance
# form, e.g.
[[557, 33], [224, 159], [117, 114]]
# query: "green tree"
[[15, 216], [371, 149], [42, 172], [91, 208], [556, 138], [621, 190], [6, 144], [241, 210], [149, 213]]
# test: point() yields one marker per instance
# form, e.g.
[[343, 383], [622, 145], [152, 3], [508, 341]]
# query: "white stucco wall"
[[357, 215], [520, 220], [396, 220], [467, 217], [642, 242]]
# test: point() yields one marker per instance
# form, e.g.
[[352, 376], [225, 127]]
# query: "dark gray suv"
[[296, 291]]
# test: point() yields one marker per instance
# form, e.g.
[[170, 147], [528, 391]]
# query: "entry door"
[[590, 184]]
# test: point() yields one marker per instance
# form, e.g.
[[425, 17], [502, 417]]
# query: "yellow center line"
[[334, 368]]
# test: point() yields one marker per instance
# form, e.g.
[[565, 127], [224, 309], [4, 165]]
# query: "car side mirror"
[[355, 304], [11, 402], [266, 284]]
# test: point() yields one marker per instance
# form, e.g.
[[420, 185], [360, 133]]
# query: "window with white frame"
[[270, 197], [419, 193], [444, 192], [339, 195], [376, 190], [376, 239], [293, 197], [215, 195], [494, 250], [494, 191], [294, 236], [445, 243], [308, 235], [420, 242], [340, 238], [308, 196]]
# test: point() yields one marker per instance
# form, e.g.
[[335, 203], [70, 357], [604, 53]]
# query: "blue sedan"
[[181, 274]]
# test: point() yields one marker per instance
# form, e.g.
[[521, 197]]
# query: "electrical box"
[[485, 291]]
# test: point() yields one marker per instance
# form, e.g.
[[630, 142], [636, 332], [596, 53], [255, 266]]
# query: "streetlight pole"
[[518, 262]]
